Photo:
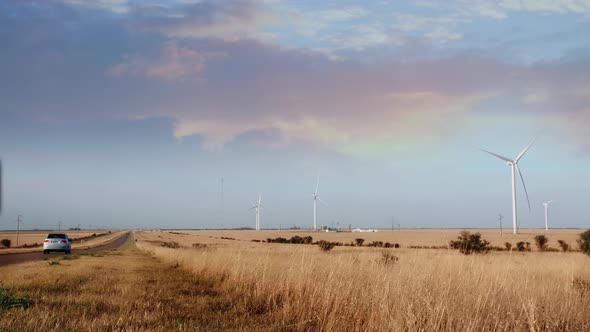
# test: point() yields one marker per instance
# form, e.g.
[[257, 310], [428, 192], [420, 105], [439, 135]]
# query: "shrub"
[[541, 242], [468, 243], [523, 246], [307, 240], [376, 244], [325, 245], [278, 240], [6, 243], [564, 246], [584, 242], [508, 246], [359, 242], [296, 240], [387, 258], [172, 244]]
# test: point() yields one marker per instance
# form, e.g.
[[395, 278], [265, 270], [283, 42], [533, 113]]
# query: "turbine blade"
[[259, 199], [324, 203], [525, 150], [498, 156], [524, 185], [317, 185]]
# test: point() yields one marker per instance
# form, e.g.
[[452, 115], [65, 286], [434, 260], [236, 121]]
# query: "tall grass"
[[351, 289]]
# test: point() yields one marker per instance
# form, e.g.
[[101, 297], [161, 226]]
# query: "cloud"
[[223, 19], [172, 63]]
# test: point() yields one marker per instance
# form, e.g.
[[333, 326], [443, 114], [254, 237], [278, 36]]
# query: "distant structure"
[[514, 166], [257, 208], [547, 214], [316, 198], [19, 220], [500, 217], [360, 230]]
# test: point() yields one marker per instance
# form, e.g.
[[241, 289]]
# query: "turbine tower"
[[316, 198], [515, 169], [257, 207], [546, 214]]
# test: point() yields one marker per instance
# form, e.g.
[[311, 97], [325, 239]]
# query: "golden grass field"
[[353, 289], [214, 284]]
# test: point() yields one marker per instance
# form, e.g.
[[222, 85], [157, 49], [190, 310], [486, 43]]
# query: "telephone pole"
[[500, 217]]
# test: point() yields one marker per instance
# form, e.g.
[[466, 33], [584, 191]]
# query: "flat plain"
[[218, 280]]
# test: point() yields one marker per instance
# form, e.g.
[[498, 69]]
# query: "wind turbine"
[[546, 208], [515, 169], [257, 207], [316, 198]]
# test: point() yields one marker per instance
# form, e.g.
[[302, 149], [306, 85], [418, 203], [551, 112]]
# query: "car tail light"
[[64, 241], [46, 241]]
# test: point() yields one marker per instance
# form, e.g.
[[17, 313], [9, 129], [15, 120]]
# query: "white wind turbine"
[[514, 166], [546, 214], [257, 207], [316, 198]]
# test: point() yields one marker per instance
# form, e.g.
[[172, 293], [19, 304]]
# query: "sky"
[[179, 113]]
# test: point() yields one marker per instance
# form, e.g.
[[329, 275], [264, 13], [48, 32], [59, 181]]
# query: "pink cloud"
[[172, 63]]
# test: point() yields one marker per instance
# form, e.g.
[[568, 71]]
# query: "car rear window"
[[56, 236]]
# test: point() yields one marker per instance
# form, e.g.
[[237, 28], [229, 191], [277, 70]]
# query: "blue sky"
[[124, 113]]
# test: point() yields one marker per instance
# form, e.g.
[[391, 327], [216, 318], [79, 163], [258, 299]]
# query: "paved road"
[[31, 256]]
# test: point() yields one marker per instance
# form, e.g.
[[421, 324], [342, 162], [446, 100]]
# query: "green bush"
[[584, 242], [564, 246], [468, 243], [541, 242], [8, 300], [6, 243]]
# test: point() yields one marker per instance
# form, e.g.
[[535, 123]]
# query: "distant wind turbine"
[[514, 166], [546, 214], [257, 208], [316, 198]]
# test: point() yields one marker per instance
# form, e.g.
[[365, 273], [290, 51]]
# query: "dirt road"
[[25, 257]]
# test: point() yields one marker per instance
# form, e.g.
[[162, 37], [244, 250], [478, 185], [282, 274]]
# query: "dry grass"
[[124, 290], [213, 284], [351, 289], [405, 237]]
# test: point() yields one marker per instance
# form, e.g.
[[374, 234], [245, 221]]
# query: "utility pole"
[[392, 221], [222, 201], [59, 226], [19, 220], [500, 217]]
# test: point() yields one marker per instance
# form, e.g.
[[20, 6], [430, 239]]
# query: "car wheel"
[[68, 252], [44, 252]]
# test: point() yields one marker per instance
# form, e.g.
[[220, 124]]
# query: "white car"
[[57, 242]]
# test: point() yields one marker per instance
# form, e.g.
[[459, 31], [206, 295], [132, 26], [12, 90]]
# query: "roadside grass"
[[121, 290]]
